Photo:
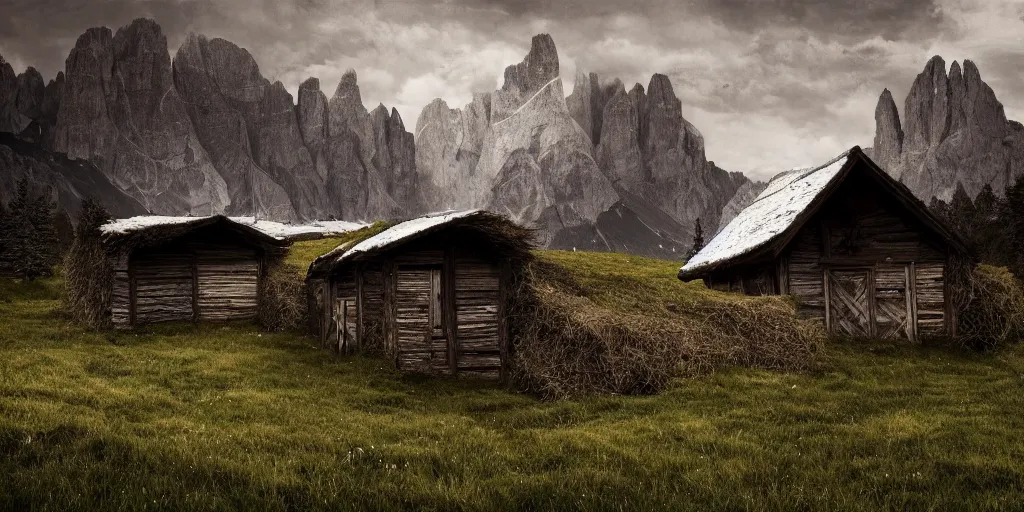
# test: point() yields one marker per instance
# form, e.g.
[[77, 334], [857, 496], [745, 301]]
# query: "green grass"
[[301, 254], [634, 283], [224, 417]]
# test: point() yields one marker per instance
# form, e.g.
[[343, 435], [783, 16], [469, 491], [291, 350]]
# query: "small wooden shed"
[[430, 293], [854, 246], [181, 268]]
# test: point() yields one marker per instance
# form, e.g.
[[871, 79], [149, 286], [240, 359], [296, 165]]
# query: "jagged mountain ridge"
[[205, 132], [602, 169], [954, 133]]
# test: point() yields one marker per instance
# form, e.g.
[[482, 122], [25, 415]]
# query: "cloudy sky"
[[772, 84]]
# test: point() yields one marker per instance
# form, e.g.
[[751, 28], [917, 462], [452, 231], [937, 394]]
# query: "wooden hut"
[[430, 293], [853, 245], [181, 268]]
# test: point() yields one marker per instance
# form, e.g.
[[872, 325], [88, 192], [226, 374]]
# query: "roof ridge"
[[805, 172]]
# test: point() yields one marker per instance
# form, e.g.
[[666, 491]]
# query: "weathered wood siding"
[[929, 290], [120, 295], [422, 343], [477, 304], [209, 276], [341, 301], [228, 284], [371, 307], [162, 288], [433, 307], [806, 277], [892, 302]]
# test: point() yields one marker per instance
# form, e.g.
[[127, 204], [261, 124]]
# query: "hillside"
[[213, 417]]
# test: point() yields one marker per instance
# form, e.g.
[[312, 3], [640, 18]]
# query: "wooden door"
[[892, 302], [422, 342], [849, 304], [344, 329]]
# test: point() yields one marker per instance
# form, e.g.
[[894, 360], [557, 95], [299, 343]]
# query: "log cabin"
[[429, 293], [854, 246], [185, 269]]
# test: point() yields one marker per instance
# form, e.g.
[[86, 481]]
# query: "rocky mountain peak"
[[312, 84], [888, 132], [29, 101], [396, 120], [311, 112], [955, 134], [538, 69], [348, 84], [143, 31]]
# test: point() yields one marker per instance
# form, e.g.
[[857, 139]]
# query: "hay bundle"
[[283, 301], [994, 312], [567, 344], [88, 271]]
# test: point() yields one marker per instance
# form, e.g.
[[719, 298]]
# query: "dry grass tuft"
[[283, 304], [601, 329], [994, 313]]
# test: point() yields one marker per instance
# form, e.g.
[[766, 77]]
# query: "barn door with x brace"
[[849, 302]]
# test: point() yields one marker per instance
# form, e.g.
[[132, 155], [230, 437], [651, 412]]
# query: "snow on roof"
[[771, 213], [278, 230], [398, 232]]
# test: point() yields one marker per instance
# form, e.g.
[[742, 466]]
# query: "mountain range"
[[604, 168], [953, 134]]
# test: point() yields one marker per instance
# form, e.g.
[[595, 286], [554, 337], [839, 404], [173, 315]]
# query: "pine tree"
[[4, 230], [698, 239], [1011, 216], [19, 233], [30, 243], [987, 230], [45, 242], [961, 212]]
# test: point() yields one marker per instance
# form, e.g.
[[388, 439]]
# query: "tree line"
[[34, 233], [992, 226]]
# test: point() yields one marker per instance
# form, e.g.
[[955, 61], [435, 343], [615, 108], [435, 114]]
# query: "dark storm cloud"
[[770, 83], [42, 32], [856, 18]]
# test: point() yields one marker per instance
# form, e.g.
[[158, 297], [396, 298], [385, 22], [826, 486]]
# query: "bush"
[[283, 303], [568, 341], [994, 313]]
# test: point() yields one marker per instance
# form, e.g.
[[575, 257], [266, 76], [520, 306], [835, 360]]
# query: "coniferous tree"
[[698, 240], [42, 212], [961, 212], [4, 231], [18, 232], [1011, 217], [986, 229], [31, 246]]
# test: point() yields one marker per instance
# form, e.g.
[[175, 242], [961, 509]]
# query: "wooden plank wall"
[[120, 299], [929, 290], [372, 307], [163, 287], [228, 284], [477, 303], [806, 276]]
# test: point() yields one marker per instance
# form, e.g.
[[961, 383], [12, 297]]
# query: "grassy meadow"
[[223, 416]]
